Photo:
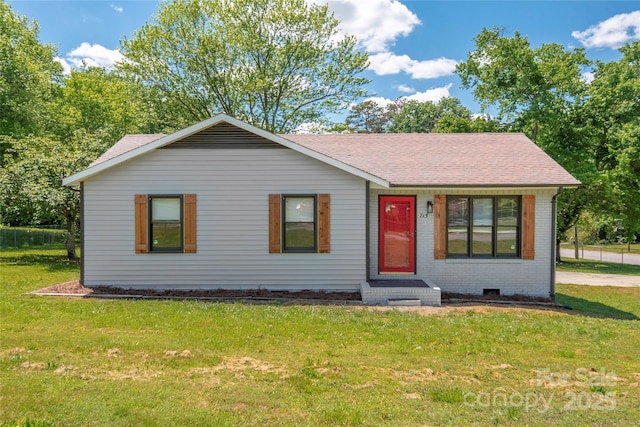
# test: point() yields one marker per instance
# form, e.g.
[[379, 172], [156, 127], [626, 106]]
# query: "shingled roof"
[[391, 160], [126, 144], [432, 159]]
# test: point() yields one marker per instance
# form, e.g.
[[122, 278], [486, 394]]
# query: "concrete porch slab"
[[393, 292]]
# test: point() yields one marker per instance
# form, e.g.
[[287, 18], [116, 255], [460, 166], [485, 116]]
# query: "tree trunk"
[[558, 250], [71, 239]]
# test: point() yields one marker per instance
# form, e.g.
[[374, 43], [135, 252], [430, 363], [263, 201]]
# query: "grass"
[[589, 266], [90, 362]]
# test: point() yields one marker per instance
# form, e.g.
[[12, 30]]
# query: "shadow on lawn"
[[593, 309], [53, 263]]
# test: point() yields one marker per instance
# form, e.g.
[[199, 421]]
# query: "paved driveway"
[[593, 279]]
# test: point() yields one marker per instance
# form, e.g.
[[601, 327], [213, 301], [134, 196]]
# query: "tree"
[[32, 178], [451, 123], [540, 92], [104, 102], [273, 63], [28, 75], [613, 112], [367, 117], [414, 116]]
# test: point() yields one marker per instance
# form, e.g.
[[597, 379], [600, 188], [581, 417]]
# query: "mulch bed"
[[75, 288]]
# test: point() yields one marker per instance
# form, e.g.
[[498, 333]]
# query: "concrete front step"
[[404, 302], [400, 292]]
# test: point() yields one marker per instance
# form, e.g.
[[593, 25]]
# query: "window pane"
[[166, 235], [482, 240], [483, 212], [299, 209], [165, 209], [508, 211], [457, 243], [508, 240], [458, 211], [300, 235]]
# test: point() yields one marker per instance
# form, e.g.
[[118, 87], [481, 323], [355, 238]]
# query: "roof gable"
[[133, 146]]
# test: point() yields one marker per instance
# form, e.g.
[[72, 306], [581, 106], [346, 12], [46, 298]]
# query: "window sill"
[[483, 260]]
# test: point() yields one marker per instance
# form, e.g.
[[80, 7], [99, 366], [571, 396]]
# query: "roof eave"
[[521, 185]]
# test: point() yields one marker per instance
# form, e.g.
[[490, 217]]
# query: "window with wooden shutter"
[[190, 229], [440, 226], [478, 227], [299, 223], [324, 223], [528, 226], [165, 223], [141, 230], [274, 224]]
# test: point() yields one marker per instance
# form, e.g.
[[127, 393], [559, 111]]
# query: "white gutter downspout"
[[554, 220]]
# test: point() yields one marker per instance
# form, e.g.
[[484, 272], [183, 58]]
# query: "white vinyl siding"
[[232, 187]]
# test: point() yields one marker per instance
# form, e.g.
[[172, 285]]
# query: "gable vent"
[[224, 135]]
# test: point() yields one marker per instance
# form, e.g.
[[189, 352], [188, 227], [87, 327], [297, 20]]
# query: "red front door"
[[397, 234]]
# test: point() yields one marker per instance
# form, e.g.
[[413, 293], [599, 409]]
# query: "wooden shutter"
[[142, 230], [274, 224], [190, 228], [324, 223], [440, 226], [528, 226]]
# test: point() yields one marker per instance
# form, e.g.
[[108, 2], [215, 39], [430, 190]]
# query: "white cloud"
[[66, 68], [432, 68], [117, 8], [405, 89], [434, 95], [383, 102], [588, 77], [375, 23], [390, 63], [93, 56], [310, 127], [613, 33]]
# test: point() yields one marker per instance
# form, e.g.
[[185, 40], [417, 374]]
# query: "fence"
[[25, 237], [614, 253]]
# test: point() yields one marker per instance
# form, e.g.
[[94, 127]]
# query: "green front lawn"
[[71, 361]]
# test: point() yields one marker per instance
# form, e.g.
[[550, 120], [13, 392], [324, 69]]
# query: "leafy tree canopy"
[[587, 127], [273, 63], [613, 115], [105, 102], [28, 74], [413, 116], [367, 117], [32, 178], [452, 123]]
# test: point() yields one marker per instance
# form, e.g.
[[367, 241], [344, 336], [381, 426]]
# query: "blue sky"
[[413, 45]]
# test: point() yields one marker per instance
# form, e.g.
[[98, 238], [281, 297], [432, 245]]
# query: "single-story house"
[[225, 205]]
